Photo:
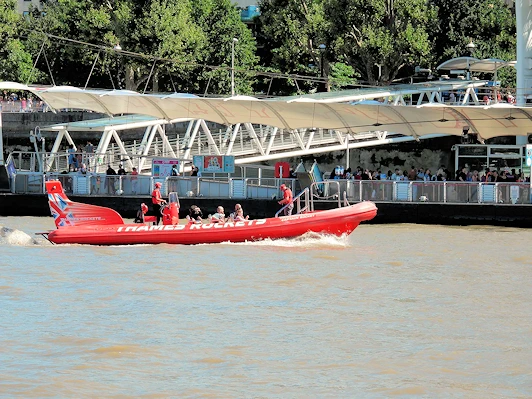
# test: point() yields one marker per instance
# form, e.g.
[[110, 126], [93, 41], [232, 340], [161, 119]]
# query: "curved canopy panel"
[[458, 63], [490, 65], [475, 65], [415, 121]]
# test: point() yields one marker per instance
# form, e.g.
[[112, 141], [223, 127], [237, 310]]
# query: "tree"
[[70, 63], [392, 34], [290, 33], [164, 41], [220, 21], [15, 60], [489, 23]]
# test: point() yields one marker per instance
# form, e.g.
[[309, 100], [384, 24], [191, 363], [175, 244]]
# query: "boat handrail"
[[315, 190], [297, 203]]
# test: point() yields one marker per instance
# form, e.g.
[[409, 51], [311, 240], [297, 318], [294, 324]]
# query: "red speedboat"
[[79, 223]]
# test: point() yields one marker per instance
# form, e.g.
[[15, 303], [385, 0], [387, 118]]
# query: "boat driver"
[[158, 202], [287, 199]]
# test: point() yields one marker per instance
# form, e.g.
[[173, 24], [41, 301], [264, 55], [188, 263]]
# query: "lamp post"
[[235, 40], [322, 47], [470, 47]]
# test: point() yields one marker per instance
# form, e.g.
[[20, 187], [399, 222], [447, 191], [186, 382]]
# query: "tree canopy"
[[187, 45], [167, 41], [15, 59]]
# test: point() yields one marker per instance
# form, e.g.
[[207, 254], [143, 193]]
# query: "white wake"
[[307, 240], [16, 237]]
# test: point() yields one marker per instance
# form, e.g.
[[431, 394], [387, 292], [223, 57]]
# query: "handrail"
[[308, 195], [297, 200]]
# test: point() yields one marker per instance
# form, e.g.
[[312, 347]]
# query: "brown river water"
[[390, 311]]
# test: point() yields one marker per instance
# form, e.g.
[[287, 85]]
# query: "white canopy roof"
[[488, 121], [489, 65]]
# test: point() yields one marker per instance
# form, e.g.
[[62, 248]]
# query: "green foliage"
[[341, 75], [15, 60], [191, 41], [489, 23], [390, 33], [290, 33]]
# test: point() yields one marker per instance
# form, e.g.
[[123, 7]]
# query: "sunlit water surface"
[[423, 311]]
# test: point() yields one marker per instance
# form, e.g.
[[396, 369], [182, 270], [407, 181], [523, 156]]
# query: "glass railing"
[[356, 190], [439, 192]]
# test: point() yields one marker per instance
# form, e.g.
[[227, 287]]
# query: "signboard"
[[214, 163], [529, 155], [162, 167]]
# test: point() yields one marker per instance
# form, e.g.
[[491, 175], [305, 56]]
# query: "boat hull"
[[336, 222]]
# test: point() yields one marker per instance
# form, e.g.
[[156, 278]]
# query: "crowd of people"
[[15, 102], [465, 174]]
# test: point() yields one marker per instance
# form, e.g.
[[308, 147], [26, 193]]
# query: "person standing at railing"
[[287, 200], [110, 180], [89, 153], [72, 160], [134, 180]]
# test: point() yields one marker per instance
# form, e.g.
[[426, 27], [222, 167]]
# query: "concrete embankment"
[[388, 212]]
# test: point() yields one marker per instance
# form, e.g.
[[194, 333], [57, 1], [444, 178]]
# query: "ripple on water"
[[317, 317]]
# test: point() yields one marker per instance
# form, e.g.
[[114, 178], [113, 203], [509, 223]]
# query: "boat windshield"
[[172, 197]]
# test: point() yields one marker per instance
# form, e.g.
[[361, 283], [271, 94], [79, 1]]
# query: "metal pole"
[[321, 69], [1, 142], [347, 150], [235, 40]]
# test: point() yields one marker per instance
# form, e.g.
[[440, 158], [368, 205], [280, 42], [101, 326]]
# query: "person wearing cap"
[[287, 200], [158, 202]]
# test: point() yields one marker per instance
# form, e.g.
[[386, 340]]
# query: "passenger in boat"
[[158, 202], [219, 216], [233, 215], [287, 199], [141, 212], [240, 216], [195, 215]]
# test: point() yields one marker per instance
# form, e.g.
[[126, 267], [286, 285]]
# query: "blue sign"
[[214, 163]]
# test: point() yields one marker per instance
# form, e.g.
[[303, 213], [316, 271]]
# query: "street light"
[[322, 47], [235, 40], [470, 47]]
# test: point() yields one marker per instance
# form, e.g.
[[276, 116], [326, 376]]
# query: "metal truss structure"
[[252, 143]]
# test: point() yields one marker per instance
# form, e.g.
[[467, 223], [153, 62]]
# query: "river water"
[[390, 311]]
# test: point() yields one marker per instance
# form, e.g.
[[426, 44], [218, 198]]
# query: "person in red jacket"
[[287, 199], [157, 201]]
